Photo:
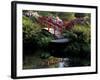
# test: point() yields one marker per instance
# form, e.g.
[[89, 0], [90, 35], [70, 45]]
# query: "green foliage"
[[88, 18], [33, 19], [78, 15], [29, 28], [42, 40], [79, 41], [45, 13], [34, 35], [83, 33], [26, 22], [44, 55], [66, 16]]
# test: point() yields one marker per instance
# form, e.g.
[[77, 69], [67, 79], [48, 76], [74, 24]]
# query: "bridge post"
[[48, 28]]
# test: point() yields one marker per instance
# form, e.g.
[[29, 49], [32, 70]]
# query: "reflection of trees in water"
[[34, 61]]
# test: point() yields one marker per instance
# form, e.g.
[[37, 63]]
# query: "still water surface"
[[34, 61]]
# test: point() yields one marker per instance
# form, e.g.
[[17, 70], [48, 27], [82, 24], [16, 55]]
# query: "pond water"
[[34, 61]]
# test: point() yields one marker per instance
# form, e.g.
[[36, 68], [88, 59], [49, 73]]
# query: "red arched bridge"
[[58, 24]]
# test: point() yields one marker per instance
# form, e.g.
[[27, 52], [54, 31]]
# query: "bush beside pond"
[[34, 37], [79, 46]]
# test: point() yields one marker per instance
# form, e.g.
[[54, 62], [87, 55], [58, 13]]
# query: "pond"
[[35, 61]]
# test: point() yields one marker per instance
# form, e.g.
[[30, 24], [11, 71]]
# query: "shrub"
[[42, 40], [29, 29], [79, 45], [33, 35]]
